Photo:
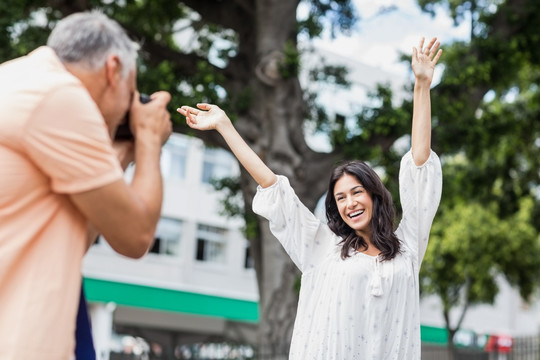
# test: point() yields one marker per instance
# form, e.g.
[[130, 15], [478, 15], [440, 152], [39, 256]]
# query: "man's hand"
[[151, 119]]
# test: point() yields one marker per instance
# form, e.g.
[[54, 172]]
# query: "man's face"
[[117, 99]]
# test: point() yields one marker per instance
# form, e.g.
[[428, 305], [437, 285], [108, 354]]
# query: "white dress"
[[358, 308]]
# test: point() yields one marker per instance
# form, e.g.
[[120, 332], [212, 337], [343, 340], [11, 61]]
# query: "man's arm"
[[127, 215], [125, 152]]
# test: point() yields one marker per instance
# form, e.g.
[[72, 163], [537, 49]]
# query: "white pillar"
[[101, 315]]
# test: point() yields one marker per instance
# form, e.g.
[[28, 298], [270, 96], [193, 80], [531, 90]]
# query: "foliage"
[[485, 115], [470, 246], [486, 109], [339, 16]]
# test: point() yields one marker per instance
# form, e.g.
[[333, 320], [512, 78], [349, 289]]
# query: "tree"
[[487, 114], [243, 57], [470, 248], [488, 99]]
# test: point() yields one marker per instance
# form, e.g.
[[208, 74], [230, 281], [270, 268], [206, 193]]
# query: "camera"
[[123, 132]]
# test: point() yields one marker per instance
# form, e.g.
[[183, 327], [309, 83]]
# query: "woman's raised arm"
[[423, 64], [211, 117]]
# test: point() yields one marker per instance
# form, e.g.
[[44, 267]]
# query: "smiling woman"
[[359, 297], [360, 210]]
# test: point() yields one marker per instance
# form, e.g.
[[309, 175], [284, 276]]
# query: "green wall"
[[196, 304]]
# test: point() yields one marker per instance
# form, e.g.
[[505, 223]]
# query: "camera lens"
[[123, 132], [143, 98]]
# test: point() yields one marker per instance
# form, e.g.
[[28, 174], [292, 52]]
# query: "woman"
[[359, 297]]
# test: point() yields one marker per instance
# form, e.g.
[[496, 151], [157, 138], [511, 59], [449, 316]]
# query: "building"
[[198, 279]]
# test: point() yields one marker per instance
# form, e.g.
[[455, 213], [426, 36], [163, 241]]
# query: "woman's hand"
[[209, 117], [424, 59]]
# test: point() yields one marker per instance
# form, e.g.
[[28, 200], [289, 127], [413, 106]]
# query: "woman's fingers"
[[430, 45], [429, 50], [190, 114], [204, 106], [433, 48], [191, 110], [436, 58]]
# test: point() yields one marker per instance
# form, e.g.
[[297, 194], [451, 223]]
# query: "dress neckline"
[[374, 257]]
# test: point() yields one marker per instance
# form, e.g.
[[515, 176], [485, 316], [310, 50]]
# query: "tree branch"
[[186, 64], [501, 26], [67, 7], [467, 302], [446, 316], [237, 16]]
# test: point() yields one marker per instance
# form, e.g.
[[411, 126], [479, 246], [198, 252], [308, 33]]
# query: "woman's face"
[[354, 204]]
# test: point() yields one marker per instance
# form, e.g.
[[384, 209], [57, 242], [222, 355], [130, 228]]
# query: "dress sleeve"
[[420, 190], [304, 237]]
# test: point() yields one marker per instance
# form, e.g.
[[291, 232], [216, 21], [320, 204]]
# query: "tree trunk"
[[278, 299], [272, 124], [452, 351], [278, 112]]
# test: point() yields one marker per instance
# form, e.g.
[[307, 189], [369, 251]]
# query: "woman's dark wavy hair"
[[382, 219]]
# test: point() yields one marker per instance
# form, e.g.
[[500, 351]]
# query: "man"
[[61, 178]]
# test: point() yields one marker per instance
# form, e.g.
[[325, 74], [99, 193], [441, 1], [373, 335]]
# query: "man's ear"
[[113, 69]]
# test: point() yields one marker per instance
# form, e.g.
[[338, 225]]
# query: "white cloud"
[[381, 37], [372, 53]]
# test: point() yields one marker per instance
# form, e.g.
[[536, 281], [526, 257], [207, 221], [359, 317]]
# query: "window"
[[211, 244], [248, 258], [173, 158], [167, 239], [218, 164]]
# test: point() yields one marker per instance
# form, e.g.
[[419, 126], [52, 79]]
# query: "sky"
[[372, 54], [379, 38]]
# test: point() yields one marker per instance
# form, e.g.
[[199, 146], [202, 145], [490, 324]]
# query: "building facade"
[[197, 280], [197, 284]]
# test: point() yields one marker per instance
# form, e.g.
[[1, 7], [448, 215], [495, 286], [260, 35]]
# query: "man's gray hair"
[[88, 38]]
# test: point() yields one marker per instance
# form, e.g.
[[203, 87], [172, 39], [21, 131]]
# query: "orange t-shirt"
[[53, 142]]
